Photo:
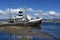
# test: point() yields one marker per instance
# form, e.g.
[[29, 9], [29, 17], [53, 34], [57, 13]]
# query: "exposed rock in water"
[[17, 30]]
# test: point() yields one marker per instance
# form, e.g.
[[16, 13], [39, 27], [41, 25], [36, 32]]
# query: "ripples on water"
[[51, 28]]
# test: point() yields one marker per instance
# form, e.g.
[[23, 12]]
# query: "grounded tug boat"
[[25, 20]]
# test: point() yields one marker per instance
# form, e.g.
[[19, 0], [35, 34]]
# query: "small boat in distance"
[[25, 20]]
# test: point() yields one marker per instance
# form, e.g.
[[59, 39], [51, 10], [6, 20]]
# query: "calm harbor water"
[[52, 28], [47, 27]]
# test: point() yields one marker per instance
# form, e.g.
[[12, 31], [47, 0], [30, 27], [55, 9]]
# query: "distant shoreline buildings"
[[51, 20]]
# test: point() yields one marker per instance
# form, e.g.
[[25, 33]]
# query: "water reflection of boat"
[[21, 20]]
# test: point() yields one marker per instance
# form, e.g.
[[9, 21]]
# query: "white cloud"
[[36, 14], [18, 9], [51, 12], [2, 12], [14, 10], [31, 11]]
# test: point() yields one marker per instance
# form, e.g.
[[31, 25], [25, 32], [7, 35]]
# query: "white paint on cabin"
[[19, 17], [35, 19], [29, 17]]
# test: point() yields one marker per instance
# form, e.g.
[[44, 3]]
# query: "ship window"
[[37, 17], [20, 12]]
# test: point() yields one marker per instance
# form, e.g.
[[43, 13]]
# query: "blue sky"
[[45, 5]]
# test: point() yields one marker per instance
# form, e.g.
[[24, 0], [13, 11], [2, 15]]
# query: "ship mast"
[[10, 14], [24, 9], [25, 16]]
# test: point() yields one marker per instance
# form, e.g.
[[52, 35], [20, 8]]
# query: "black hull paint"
[[35, 24]]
